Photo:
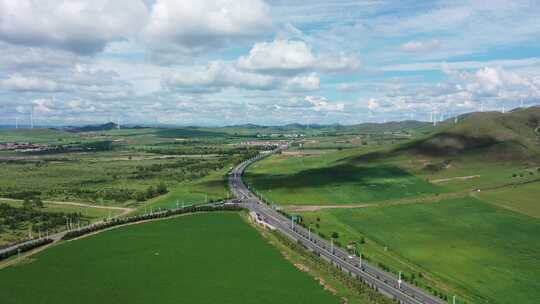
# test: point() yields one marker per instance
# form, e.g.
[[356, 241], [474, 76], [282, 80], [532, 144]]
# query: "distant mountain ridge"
[[93, 128], [363, 127]]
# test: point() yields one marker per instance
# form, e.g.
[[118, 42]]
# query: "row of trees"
[[25, 247], [111, 194], [150, 192], [138, 218]]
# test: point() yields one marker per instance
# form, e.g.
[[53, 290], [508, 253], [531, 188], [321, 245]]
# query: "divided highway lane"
[[386, 283]]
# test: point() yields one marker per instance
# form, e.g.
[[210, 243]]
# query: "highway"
[[386, 283]]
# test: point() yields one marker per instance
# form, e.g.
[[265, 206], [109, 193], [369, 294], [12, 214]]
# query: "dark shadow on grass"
[[438, 145], [344, 173], [213, 183]]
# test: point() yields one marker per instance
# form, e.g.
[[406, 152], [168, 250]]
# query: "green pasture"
[[205, 258], [333, 178], [521, 198], [479, 251]]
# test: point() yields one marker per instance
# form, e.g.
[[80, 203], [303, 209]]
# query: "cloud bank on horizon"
[[223, 62]]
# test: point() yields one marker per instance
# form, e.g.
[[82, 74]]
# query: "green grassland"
[[101, 178], [521, 198], [138, 161], [333, 178], [90, 213], [37, 136], [211, 187], [205, 258], [479, 251]]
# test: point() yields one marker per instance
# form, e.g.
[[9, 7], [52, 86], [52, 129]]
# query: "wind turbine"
[[31, 116]]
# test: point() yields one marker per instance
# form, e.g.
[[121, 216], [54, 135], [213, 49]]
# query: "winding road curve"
[[386, 283]]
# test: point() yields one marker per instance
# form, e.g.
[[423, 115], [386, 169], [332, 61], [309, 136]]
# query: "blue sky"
[[223, 62]]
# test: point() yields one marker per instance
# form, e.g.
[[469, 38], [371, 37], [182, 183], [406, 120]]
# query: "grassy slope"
[[332, 178], [485, 251], [522, 198], [492, 135], [210, 258]]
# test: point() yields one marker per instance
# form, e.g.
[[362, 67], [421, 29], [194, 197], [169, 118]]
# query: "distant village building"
[[23, 147]]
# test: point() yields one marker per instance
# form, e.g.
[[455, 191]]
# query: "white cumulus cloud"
[[292, 57], [322, 104], [23, 84], [310, 82], [83, 27], [194, 26], [215, 76]]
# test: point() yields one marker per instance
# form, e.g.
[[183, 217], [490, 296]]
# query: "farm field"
[[205, 258], [333, 178], [481, 252]]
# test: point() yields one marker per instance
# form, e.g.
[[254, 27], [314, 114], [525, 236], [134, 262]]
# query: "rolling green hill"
[[510, 136]]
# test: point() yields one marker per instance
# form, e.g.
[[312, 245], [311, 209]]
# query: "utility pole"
[[332, 245], [309, 233], [399, 280], [16, 122], [454, 300]]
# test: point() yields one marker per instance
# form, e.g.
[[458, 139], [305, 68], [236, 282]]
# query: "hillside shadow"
[[335, 175], [438, 145]]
